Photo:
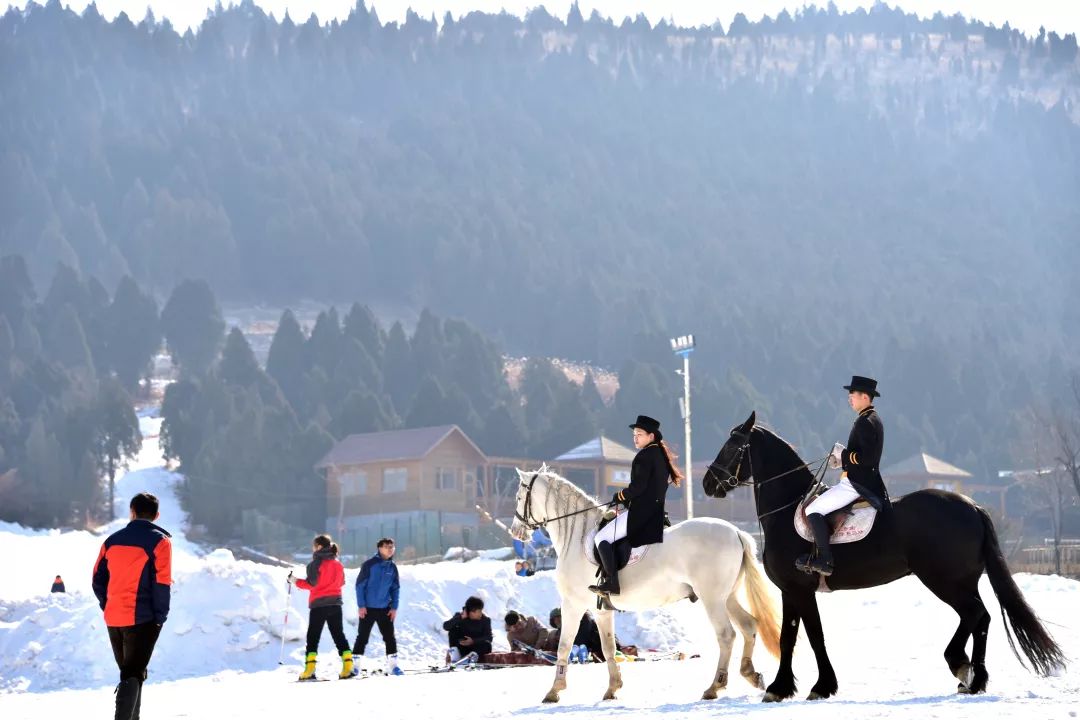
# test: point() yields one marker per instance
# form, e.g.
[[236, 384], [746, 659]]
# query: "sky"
[[1062, 16]]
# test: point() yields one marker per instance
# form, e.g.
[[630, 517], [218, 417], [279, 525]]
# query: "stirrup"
[[814, 564]]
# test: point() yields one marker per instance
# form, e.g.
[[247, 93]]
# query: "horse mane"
[[790, 456], [565, 497]]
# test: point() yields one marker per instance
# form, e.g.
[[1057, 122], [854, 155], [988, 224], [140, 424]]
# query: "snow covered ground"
[[217, 657]]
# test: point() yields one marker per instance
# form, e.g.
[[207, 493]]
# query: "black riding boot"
[[821, 561], [610, 584], [127, 698]]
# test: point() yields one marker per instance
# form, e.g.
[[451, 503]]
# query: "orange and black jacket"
[[133, 575]]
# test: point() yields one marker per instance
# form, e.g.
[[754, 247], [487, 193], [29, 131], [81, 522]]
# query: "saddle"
[[849, 524], [624, 554]]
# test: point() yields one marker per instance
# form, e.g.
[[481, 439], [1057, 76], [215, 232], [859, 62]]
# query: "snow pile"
[[228, 613]]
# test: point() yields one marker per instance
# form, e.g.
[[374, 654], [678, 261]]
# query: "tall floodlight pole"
[[683, 346]]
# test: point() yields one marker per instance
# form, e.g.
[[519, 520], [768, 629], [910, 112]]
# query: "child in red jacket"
[[325, 578]]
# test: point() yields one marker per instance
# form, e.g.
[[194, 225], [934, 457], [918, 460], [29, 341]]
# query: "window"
[[353, 482], [446, 479], [621, 477], [394, 479]]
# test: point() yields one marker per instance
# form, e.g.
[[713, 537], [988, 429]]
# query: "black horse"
[[943, 538]]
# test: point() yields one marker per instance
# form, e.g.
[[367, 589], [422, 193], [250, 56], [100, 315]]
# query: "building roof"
[[597, 449], [412, 444], [923, 465]]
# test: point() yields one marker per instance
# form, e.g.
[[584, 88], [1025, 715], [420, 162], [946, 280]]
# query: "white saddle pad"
[[589, 544], [855, 526]]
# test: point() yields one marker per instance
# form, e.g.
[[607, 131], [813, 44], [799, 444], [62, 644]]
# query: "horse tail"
[[762, 606], [1044, 654]]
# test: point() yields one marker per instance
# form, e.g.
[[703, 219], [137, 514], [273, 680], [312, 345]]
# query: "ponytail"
[[676, 476]]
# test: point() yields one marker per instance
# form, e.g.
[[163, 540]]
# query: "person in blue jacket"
[[377, 590]]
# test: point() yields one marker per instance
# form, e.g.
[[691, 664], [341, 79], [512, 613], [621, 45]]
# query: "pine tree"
[[361, 412], [66, 342], [362, 325], [119, 437], [399, 371], [324, 345], [286, 362], [238, 365], [133, 331], [193, 326]]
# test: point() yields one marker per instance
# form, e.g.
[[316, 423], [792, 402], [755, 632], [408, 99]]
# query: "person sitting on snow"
[[587, 637], [470, 631], [527, 630]]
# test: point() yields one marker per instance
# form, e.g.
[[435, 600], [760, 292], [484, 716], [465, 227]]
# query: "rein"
[[728, 486], [526, 516]]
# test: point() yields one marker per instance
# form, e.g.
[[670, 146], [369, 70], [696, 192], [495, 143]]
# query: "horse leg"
[[605, 623], [747, 625], [566, 640], [826, 685], [725, 638], [783, 685], [975, 621], [963, 597]]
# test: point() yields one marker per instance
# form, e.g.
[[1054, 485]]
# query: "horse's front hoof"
[[965, 674], [551, 698], [814, 695], [709, 694], [757, 680], [771, 697], [609, 695]]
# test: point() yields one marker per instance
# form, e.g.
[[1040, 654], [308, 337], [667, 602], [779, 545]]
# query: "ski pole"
[[285, 624]]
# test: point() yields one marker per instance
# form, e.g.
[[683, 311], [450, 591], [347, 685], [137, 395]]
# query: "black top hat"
[[863, 384], [647, 424]]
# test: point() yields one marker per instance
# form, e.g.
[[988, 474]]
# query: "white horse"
[[703, 557]]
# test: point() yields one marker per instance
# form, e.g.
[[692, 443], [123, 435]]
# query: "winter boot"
[[392, 666], [346, 665], [127, 697], [309, 667], [138, 703], [610, 584], [822, 560]]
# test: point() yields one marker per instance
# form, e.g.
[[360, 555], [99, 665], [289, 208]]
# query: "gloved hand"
[[835, 456], [615, 501], [611, 513]]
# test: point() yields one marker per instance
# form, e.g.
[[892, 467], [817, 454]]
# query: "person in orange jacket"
[[132, 580], [325, 577]]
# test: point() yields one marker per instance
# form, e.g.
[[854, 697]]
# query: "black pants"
[[331, 617], [132, 648], [380, 617]]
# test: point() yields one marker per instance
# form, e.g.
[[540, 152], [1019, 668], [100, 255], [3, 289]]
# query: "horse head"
[[730, 469]]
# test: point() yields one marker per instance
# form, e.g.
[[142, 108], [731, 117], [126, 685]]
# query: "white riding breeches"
[[614, 530], [834, 498]]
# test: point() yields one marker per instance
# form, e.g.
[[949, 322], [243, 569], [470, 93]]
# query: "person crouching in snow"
[[325, 578], [470, 631], [377, 590]]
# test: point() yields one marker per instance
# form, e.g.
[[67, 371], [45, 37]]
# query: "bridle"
[[732, 481], [526, 517]]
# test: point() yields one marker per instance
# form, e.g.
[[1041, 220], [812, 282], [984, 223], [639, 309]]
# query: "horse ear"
[[750, 422], [521, 475]]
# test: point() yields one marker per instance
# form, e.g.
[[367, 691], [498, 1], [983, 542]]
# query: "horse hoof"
[[708, 695], [771, 697], [965, 674], [609, 695], [815, 695], [551, 698], [757, 680]]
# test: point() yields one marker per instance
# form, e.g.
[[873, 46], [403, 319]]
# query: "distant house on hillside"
[[417, 485]]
